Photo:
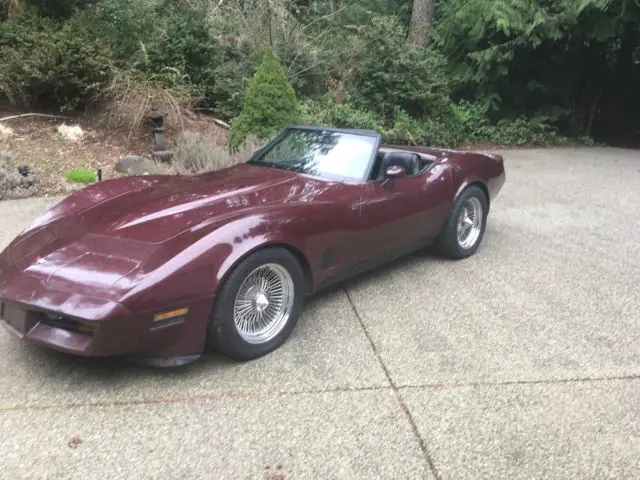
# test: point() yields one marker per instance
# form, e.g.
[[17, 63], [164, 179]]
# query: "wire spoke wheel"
[[263, 303], [469, 224]]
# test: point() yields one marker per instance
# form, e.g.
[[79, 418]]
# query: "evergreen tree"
[[270, 104]]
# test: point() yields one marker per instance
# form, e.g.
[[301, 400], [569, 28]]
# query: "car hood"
[[183, 203], [110, 245]]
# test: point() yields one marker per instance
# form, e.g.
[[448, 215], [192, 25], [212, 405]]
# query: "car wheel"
[[464, 229], [258, 305]]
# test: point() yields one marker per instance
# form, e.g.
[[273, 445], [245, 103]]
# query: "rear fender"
[[472, 180], [485, 170]]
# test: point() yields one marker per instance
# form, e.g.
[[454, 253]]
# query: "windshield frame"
[[255, 159]]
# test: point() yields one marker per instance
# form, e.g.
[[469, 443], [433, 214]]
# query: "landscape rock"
[[129, 163]]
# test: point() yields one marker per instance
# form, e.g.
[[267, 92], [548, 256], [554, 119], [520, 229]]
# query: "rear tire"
[[258, 305], [464, 229]]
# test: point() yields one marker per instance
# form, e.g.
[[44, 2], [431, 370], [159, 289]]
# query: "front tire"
[[464, 229], [258, 305]]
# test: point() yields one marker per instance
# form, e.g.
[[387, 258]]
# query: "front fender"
[[192, 277], [197, 270]]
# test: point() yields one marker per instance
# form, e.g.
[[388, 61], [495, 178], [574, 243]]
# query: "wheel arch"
[[477, 183], [302, 260], [294, 250]]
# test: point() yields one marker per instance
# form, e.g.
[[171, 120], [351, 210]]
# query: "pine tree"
[[270, 104]]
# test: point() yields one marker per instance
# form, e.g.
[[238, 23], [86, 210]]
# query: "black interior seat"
[[410, 161]]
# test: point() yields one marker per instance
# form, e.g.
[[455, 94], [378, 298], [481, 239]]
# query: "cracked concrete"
[[521, 362]]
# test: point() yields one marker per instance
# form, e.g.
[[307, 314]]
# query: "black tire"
[[223, 335], [447, 241]]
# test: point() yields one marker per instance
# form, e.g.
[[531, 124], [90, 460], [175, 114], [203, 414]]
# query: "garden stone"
[[127, 163]]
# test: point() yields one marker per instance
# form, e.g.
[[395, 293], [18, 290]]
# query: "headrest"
[[409, 160]]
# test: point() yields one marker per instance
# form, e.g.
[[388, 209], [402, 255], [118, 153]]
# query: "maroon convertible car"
[[160, 267]]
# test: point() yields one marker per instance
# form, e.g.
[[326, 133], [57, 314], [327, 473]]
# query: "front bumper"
[[120, 333], [109, 328]]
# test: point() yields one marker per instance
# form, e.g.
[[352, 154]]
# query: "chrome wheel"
[[263, 303], [470, 223]]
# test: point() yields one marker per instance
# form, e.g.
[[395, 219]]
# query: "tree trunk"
[[14, 7], [421, 16], [620, 113]]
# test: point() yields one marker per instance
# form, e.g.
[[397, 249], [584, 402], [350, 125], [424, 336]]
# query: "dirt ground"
[[35, 142]]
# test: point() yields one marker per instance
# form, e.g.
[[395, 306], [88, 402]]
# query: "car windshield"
[[322, 153]]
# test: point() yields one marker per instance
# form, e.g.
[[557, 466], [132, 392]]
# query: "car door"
[[400, 213], [334, 243]]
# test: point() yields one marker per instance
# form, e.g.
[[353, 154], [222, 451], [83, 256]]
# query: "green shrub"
[[125, 26], [300, 41], [270, 104], [50, 65], [60, 10], [389, 73], [326, 111], [182, 41], [399, 127], [232, 77], [470, 121], [81, 176], [522, 131]]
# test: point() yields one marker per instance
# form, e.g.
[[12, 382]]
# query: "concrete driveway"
[[521, 362]]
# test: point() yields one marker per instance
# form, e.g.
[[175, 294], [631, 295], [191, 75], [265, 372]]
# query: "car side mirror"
[[395, 171]]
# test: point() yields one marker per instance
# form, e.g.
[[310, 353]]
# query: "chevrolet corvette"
[[163, 267]]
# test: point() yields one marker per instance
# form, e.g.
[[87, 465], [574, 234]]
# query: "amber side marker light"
[[170, 318], [86, 328]]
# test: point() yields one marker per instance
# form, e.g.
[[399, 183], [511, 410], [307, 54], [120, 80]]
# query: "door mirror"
[[395, 171]]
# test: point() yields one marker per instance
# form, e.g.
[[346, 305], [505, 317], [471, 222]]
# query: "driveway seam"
[[191, 399], [550, 381], [396, 391], [290, 393]]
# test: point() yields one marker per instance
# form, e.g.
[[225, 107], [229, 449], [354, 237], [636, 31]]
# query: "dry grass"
[[130, 98], [150, 167], [198, 153]]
